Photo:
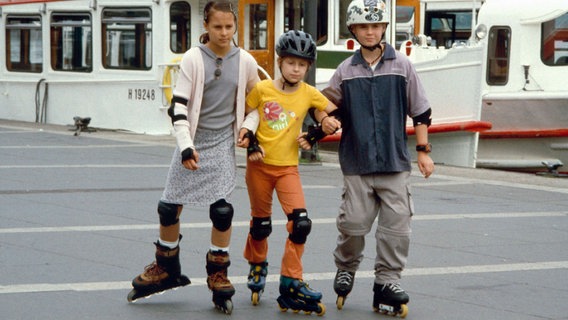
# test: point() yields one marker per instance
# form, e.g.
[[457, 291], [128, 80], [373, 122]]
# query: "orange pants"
[[262, 179]]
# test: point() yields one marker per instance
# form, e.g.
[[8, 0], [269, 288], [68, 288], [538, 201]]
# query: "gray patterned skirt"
[[216, 176]]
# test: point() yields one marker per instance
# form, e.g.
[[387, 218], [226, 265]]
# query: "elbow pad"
[[178, 114], [424, 118], [172, 109]]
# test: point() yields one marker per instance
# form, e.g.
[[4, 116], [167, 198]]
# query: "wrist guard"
[[253, 145], [336, 114], [315, 133], [187, 154]]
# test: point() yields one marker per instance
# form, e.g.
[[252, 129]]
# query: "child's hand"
[[425, 164], [257, 155], [304, 144], [191, 163], [330, 125], [243, 142]]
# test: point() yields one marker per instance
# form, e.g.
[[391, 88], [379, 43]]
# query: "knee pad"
[[261, 228], [301, 227], [221, 214], [169, 213]]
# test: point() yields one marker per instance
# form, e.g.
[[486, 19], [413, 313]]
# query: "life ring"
[[167, 85]]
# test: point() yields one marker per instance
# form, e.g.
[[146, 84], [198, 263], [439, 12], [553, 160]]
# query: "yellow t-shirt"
[[281, 118]]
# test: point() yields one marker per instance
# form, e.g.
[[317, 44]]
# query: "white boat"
[[99, 59], [520, 63]]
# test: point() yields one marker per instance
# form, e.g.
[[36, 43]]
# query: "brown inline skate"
[[161, 275], [217, 264]]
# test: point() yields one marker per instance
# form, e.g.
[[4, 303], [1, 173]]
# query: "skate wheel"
[[255, 298], [131, 297], [283, 309], [403, 311], [227, 307], [340, 302], [381, 311], [321, 311]]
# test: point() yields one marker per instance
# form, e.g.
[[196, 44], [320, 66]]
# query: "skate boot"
[[217, 264], [343, 284], [390, 299], [295, 294], [257, 280], [161, 275]]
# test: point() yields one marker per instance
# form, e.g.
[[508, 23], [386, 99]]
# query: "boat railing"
[[469, 126]]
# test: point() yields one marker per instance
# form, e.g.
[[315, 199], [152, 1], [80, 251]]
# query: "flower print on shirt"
[[276, 117]]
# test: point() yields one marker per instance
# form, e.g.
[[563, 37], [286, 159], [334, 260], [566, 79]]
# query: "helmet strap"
[[286, 82], [374, 47]]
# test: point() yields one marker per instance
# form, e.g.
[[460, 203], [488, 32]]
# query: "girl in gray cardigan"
[[207, 110]]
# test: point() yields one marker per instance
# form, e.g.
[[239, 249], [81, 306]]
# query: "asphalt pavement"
[[78, 222]]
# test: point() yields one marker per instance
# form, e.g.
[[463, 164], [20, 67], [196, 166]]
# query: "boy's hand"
[[425, 164]]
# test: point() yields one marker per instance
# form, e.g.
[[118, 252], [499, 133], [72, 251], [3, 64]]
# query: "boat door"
[[256, 31]]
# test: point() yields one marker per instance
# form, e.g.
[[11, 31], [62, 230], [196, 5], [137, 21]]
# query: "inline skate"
[[390, 299], [161, 275], [257, 280], [217, 281], [343, 284], [297, 295]]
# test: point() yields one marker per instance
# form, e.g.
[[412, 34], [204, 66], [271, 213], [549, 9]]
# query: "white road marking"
[[83, 166], [198, 225], [87, 146], [124, 285]]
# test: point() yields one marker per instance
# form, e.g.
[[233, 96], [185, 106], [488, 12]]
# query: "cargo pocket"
[[410, 200]]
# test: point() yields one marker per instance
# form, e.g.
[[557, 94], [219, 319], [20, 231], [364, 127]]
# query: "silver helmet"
[[366, 12]]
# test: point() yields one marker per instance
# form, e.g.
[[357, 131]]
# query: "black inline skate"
[[390, 299], [217, 264], [343, 284], [298, 296], [161, 275], [257, 280]]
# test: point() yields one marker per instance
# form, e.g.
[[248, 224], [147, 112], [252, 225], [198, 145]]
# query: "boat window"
[[71, 46], [294, 18], [256, 34], [498, 53], [126, 38], [180, 22], [342, 29], [404, 24], [448, 27], [24, 43], [554, 45]]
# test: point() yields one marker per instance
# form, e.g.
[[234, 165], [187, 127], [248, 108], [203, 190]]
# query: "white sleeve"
[[181, 127], [251, 121]]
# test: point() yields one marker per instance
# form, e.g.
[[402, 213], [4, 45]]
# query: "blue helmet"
[[298, 44]]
